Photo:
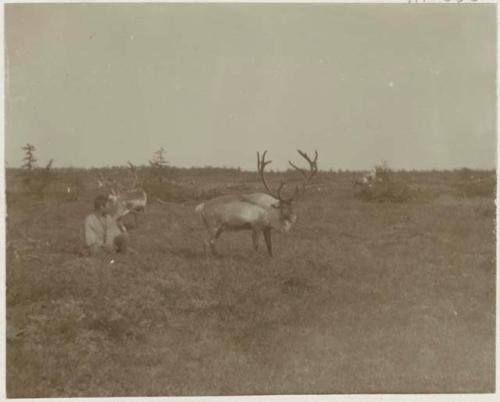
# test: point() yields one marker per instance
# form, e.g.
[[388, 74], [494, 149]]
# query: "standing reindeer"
[[128, 201], [257, 212]]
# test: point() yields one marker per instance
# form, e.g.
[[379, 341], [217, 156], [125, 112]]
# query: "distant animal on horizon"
[[367, 180], [131, 201], [257, 212]]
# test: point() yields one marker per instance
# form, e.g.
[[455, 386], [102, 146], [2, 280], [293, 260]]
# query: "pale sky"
[[100, 84]]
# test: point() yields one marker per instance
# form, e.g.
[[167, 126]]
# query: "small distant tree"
[[29, 162], [383, 172], [29, 157], [43, 179], [158, 159], [36, 180], [158, 164]]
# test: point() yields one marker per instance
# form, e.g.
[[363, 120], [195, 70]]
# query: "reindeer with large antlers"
[[128, 201], [258, 212]]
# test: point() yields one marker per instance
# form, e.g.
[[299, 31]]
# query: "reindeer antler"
[[261, 165], [313, 169], [106, 183], [134, 172]]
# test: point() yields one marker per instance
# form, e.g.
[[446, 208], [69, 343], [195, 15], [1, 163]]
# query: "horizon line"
[[330, 170]]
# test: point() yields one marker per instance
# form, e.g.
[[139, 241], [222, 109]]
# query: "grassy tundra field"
[[360, 297]]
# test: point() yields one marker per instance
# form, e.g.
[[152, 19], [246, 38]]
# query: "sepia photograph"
[[222, 199]]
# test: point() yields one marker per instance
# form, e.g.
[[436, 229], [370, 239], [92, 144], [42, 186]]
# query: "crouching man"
[[102, 232]]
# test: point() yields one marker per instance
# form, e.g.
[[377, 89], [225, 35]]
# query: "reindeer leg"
[[267, 238], [206, 241], [255, 238], [216, 234]]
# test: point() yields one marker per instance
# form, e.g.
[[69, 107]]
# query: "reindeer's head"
[[287, 215], [285, 205], [118, 201]]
